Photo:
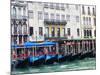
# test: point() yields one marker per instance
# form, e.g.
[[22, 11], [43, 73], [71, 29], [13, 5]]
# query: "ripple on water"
[[88, 63]]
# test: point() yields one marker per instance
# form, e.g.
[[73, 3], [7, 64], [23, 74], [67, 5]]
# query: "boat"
[[50, 59], [36, 60]]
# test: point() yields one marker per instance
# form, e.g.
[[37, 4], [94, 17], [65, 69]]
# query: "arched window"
[[88, 10], [14, 12]]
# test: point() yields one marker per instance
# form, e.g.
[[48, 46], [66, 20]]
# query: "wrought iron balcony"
[[56, 37], [19, 17], [55, 22]]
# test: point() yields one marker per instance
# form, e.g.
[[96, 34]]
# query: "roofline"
[[62, 3]]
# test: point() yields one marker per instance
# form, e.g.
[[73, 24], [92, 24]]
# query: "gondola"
[[36, 60], [50, 59]]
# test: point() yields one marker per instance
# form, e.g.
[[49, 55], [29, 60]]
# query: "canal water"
[[84, 64]]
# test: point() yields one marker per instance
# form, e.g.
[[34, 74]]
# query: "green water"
[[84, 64]]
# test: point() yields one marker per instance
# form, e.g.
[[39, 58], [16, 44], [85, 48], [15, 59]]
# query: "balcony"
[[56, 37], [55, 22], [19, 17]]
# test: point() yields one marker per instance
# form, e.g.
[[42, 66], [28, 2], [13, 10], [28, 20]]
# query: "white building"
[[88, 21], [54, 21]]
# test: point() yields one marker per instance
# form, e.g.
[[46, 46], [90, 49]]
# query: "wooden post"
[[93, 44], [79, 47]]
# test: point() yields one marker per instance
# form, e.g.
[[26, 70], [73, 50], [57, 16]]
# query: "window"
[[68, 30], [20, 29], [57, 17], [30, 14], [41, 31], [31, 31], [25, 39], [86, 20], [83, 20], [90, 33], [89, 20], [40, 17], [47, 32], [77, 18], [52, 16], [20, 40], [67, 6], [19, 14], [53, 32], [62, 17], [95, 33], [51, 5], [14, 12], [84, 33], [24, 29], [87, 33], [15, 40], [78, 32], [46, 5], [57, 6], [24, 11], [94, 11], [68, 17], [83, 11], [94, 21], [58, 32], [76, 6], [62, 6], [46, 16], [15, 29], [63, 31], [88, 10]]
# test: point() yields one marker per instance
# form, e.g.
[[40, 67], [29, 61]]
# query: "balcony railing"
[[55, 22], [56, 37], [18, 17]]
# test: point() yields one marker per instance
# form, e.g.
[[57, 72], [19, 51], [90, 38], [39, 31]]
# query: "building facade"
[[19, 22], [54, 21], [41, 21], [88, 21]]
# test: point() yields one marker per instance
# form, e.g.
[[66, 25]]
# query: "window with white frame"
[[68, 17], [62, 17], [94, 13], [57, 17], [83, 10], [51, 5], [83, 20], [47, 31], [19, 14], [46, 16], [88, 10], [46, 5], [14, 12], [67, 5], [78, 32], [24, 11], [30, 12], [62, 6], [89, 20], [77, 7], [52, 16], [86, 20], [57, 6], [40, 17], [77, 18]]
